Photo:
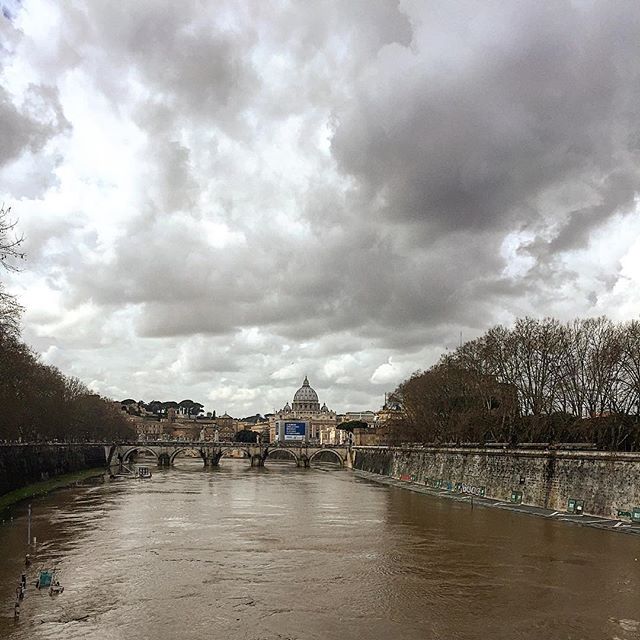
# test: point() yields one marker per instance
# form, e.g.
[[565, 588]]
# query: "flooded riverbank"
[[474, 500], [282, 552], [39, 489]]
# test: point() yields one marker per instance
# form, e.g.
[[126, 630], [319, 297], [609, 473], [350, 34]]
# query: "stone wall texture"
[[21, 465], [606, 482]]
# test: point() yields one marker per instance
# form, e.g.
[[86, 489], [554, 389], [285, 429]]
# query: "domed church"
[[306, 406], [305, 398]]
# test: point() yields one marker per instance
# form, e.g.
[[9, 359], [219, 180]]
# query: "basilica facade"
[[306, 406]]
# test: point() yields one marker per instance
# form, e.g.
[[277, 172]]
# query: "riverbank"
[[24, 464], [481, 501], [44, 487], [602, 484]]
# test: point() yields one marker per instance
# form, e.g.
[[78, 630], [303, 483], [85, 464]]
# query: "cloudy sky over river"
[[221, 197]]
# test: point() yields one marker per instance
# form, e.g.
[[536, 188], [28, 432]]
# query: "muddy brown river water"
[[284, 553]]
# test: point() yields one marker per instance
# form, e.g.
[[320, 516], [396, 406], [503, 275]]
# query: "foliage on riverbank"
[[39, 403], [46, 486], [539, 381]]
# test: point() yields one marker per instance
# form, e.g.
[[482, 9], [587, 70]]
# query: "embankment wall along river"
[[21, 465], [604, 482]]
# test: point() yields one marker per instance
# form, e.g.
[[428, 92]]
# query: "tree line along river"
[[288, 553]]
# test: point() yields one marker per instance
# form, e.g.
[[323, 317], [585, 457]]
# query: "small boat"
[[143, 472], [55, 588], [45, 578]]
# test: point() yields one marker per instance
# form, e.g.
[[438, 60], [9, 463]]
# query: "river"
[[286, 553]]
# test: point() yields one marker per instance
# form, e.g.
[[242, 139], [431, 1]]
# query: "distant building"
[[168, 420], [189, 408], [227, 425], [368, 437], [368, 417], [306, 406], [258, 424]]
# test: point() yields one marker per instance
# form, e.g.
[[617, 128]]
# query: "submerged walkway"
[[482, 501]]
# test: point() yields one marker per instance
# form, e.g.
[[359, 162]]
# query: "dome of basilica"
[[305, 406], [305, 394]]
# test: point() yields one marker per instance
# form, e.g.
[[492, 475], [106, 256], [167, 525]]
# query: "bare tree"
[[9, 242], [591, 367], [10, 310], [528, 357]]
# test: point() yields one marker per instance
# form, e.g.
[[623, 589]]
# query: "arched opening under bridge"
[[326, 457], [133, 455], [235, 453], [282, 456], [186, 457]]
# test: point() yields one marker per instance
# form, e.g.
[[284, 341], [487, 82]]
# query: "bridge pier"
[[109, 452], [164, 460], [211, 458], [349, 458], [257, 460]]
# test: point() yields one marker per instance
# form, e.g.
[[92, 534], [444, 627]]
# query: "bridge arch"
[[339, 458], [289, 453], [226, 451], [127, 453], [179, 450]]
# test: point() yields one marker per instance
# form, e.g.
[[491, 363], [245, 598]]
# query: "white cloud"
[[387, 373]]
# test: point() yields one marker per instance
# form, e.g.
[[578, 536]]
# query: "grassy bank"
[[46, 486]]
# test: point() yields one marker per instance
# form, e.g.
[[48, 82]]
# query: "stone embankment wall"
[[21, 465], [605, 482]]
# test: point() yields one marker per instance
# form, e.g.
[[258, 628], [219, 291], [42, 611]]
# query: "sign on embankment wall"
[[605, 482]]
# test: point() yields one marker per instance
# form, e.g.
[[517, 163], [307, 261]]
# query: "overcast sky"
[[221, 197]]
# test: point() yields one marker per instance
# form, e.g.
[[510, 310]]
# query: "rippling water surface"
[[284, 553]]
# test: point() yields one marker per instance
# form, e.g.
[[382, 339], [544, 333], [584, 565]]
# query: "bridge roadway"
[[165, 452]]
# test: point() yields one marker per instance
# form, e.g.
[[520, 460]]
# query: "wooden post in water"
[[29, 525]]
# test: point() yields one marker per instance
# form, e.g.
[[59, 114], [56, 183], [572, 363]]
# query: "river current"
[[286, 553]]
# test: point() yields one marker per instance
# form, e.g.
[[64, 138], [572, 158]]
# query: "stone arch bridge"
[[211, 453]]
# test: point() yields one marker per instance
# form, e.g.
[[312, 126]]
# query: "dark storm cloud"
[[182, 55], [523, 98], [31, 125]]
